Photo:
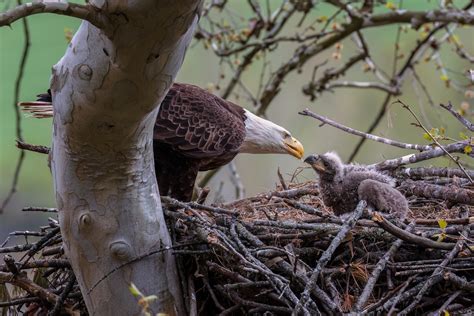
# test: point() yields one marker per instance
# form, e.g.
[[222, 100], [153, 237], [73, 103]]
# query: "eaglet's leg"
[[383, 197]]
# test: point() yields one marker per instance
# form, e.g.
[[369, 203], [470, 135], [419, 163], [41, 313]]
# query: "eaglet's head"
[[265, 137], [329, 165]]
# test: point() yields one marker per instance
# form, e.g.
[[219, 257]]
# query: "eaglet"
[[343, 186]]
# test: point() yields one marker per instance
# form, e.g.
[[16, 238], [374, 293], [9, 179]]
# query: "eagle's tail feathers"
[[37, 109]]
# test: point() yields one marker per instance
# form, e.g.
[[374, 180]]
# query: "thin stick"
[[327, 255], [435, 140], [379, 139]]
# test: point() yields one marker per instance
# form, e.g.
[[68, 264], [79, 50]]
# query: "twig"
[[60, 302], [431, 281], [387, 141], [34, 148], [459, 282], [469, 125], [16, 99], [446, 304], [456, 161], [377, 271], [22, 281], [409, 237], [282, 180], [327, 255], [40, 209]]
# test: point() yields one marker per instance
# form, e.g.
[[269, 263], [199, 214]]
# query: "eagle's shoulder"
[[198, 123]]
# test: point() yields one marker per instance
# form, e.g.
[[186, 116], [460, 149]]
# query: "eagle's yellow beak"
[[294, 147]]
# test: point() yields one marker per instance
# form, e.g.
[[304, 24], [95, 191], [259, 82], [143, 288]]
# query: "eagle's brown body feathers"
[[194, 131]]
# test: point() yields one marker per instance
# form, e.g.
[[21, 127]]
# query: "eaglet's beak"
[[294, 147], [315, 162]]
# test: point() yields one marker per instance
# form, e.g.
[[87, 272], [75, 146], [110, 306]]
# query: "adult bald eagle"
[[198, 131]]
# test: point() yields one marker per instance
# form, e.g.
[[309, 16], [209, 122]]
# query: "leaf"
[[468, 149], [446, 313], [442, 223], [444, 77], [390, 5], [322, 19], [463, 136], [134, 290], [427, 136]]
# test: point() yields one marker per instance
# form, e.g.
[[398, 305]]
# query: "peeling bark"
[[106, 92]]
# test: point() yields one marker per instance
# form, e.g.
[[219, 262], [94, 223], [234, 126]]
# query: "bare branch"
[[19, 133], [379, 139], [84, 12], [34, 148], [469, 125], [456, 161], [365, 85], [425, 155], [418, 18]]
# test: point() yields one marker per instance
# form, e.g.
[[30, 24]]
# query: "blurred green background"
[[355, 108]]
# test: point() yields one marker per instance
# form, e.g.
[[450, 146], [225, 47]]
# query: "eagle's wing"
[[199, 124], [354, 177], [383, 197]]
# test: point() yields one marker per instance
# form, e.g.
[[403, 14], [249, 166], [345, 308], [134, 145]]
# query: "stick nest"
[[279, 252]]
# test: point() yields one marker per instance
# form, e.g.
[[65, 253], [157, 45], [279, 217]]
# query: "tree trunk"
[[106, 91]]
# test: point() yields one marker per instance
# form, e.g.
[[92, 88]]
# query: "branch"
[[331, 74], [393, 90], [456, 161], [377, 271], [447, 193], [86, 12], [34, 148], [436, 273], [19, 133], [29, 286], [409, 237], [383, 140], [327, 255], [460, 118], [425, 155], [418, 18]]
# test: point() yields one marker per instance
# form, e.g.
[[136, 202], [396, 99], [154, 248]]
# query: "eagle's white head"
[[265, 137]]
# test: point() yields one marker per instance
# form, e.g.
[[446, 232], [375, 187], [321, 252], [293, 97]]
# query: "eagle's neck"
[[261, 136]]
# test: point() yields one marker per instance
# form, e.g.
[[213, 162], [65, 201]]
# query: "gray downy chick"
[[343, 186]]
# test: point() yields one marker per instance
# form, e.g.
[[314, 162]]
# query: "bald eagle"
[[198, 131]]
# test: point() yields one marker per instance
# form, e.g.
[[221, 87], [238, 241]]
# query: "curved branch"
[[364, 85], [379, 139], [418, 18], [84, 12], [409, 237]]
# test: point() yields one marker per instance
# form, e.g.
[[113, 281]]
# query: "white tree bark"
[[106, 91]]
